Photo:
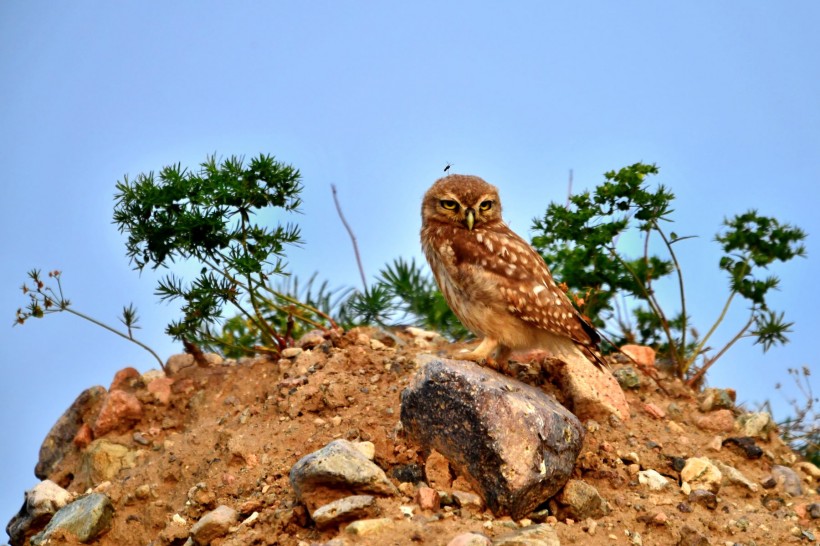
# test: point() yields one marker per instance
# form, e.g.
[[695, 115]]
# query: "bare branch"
[[352, 237]]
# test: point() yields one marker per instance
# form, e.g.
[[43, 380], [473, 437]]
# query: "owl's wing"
[[519, 275]]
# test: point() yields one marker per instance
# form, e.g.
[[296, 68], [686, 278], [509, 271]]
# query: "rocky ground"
[[206, 455]]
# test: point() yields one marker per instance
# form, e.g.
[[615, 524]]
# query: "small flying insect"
[[447, 168]]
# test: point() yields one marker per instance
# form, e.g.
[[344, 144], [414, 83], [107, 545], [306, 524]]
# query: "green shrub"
[[580, 242]]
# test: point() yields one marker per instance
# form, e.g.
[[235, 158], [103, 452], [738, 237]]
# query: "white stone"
[[653, 480]]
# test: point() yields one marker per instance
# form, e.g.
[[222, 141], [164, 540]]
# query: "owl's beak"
[[470, 220]]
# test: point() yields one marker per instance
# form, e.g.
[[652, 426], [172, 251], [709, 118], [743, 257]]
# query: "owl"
[[497, 284]]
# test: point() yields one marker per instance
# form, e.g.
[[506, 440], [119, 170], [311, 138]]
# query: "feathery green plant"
[[206, 217], [403, 292], [580, 243]]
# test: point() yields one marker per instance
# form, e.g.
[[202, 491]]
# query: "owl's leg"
[[482, 353], [490, 353]]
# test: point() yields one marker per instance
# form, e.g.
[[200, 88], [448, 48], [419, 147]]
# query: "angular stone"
[[532, 535], [594, 392], [745, 445], [102, 461], [653, 480], [119, 412], [127, 379], [41, 502], [291, 352], [428, 499], [515, 444], [344, 510], [756, 425], [84, 518], [337, 470], [580, 501], [768, 482], [58, 441], [714, 399], [176, 363], [214, 524], [627, 378], [470, 501], [788, 479], [700, 473], [641, 354], [368, 449], [704, 498], [734, 476]]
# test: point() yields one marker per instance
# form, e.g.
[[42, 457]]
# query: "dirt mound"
[[229, 434]]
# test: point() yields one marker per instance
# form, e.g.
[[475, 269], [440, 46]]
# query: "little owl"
[[497, 284]]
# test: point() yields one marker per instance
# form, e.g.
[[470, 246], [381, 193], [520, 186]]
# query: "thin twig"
[[352, 237], [685, 324], [695, 379], [112, 330], [569, 188]]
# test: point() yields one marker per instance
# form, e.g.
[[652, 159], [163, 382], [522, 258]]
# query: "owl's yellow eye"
[[448, 204], [485, 205]]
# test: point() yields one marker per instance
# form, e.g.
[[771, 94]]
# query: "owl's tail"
[[594, 355]]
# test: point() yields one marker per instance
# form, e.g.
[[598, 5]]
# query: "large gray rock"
[[41, 503], [58, 441], [336, 471], [85, 518], [514, 443]]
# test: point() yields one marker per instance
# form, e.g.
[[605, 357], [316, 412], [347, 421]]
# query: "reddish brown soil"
[[236, 429]]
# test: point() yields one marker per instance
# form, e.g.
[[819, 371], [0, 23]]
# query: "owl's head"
[[463, 200]]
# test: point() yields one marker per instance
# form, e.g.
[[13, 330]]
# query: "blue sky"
[[376, 98]]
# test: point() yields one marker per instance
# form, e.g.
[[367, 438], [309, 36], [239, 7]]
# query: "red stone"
[[161, 389], [120, 411], [654, 411], [642, 355], [83, 437], [125, 380], [428, 499]]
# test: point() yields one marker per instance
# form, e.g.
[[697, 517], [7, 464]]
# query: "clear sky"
[[377, 97]]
